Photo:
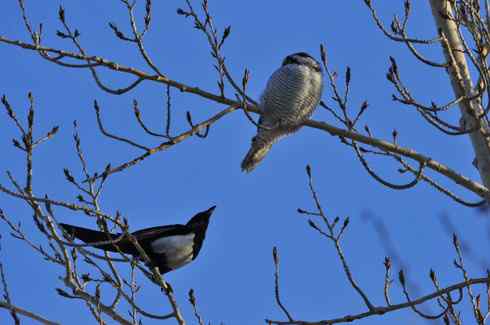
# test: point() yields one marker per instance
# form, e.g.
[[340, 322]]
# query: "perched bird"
[[168, 247], [290, 97]]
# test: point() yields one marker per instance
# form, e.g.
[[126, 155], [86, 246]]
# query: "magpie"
[[168, 247]]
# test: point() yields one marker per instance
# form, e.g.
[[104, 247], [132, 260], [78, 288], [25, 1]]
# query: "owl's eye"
[[293, 59], [287, 61]]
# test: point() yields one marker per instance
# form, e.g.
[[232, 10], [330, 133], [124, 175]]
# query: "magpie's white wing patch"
[[178, 249]]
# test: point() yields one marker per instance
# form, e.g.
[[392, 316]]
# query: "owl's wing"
[[290, 96]]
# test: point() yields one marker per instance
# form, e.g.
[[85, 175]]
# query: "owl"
[[290, 97]]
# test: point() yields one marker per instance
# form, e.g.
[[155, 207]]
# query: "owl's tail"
[[255, 155]]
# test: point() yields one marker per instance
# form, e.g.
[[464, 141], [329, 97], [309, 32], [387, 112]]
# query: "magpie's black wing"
[[161, 231]]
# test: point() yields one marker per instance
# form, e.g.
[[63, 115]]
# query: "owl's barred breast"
[[291, 95]]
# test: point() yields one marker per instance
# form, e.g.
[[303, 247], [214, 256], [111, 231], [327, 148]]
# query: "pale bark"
[[463, 86]]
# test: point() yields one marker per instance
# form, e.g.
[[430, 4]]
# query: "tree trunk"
[[463, 86]]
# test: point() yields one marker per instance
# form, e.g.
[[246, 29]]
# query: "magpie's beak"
[[210, 210]]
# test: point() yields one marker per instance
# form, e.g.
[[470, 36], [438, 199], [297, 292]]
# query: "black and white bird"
[[168, 247], [290, 97]]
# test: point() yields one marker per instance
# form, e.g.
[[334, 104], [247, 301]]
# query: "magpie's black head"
[[302, 58], [202, 218]]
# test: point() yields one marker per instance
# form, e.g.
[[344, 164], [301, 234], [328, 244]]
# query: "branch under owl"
[[438, 167]]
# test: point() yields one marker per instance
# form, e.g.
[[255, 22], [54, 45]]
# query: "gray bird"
[[290, 97]]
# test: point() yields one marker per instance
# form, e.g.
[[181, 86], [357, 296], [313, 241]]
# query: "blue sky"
[[233, 276]]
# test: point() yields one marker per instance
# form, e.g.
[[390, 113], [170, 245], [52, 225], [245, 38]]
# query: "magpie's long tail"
[[90, 236]]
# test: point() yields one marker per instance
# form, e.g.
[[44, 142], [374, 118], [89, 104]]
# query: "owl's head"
[[302, 58]]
